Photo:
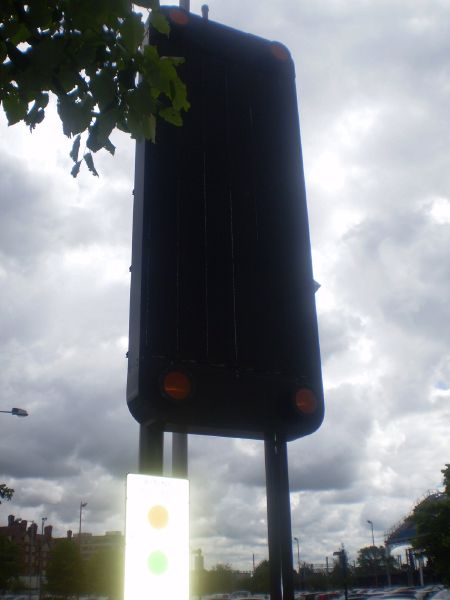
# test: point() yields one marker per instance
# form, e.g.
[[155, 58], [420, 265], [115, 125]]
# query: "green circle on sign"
[[157, 562]]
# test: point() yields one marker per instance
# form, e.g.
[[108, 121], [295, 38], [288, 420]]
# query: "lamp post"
[[371, 525], [298, 555], [82, 505], [18, 412], [43, 519], [375, 570]]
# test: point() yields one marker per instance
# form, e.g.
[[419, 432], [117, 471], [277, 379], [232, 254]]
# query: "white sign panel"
[[157, 538]]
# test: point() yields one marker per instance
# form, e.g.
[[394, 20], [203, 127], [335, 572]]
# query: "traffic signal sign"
[[223, 327], [157, 538]]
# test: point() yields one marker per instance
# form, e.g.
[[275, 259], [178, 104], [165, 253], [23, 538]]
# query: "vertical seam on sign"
[[230, 199], [250, 112], [178, 250], [205, 237]]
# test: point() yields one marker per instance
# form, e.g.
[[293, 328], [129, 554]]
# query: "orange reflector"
[[177, 385], [279, 51], [179, 17], [305, 401]]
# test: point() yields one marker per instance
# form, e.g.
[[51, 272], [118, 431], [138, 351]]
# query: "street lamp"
[[18, 412], [43, 519], [298, 562], [371, 525], [298, 554], [375, 570], [82, 505]]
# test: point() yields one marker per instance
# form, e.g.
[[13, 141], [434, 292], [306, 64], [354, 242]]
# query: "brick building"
[[34, 546], [91, 544]]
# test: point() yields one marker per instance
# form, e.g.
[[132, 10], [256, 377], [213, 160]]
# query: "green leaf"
[[3, 51], [41, 100], [100, 131], [109, 146], [160, 22], [16, 32], [103, 88], [75, 149], [171, 115], [132, 32], [15, 108], [39, 14], [75, 116], [90, 163], [149, 128], [134, 125], [141, 101], [76, 168], [178, 95], [34, 117], [153, 4]]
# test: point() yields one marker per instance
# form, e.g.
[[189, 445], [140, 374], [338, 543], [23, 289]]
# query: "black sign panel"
[[222, 290]]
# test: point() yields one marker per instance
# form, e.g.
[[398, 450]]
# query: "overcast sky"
[[373, 82]]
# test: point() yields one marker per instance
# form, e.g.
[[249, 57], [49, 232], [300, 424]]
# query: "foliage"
[[432, 519], [446, 473], [6, 493], [105, 572], [65, 573], [10, 562], [220, 578], [373, 557], [341, 575], [91, 56], [261, 577]]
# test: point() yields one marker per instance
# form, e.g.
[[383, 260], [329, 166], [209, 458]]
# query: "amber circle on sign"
[[158, 517], [177, 385], [305, 401], [279, 51], [178, 16]]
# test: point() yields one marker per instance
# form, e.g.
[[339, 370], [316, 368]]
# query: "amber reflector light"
[[178, 16], [279, 51], [305, 401], [177, 385]]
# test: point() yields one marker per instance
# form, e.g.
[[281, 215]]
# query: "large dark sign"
[[223, 327]]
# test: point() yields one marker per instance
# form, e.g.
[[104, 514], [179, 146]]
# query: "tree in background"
[[371, 557], [90, 55], [432, 519], [10, 562], [105, 573], [260, 581], [220, 578], [65, 572], [373, 562], [341, 575], [6, 493]]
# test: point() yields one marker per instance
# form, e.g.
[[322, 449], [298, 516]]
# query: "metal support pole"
[[279, 519], [344, 570], [179, 455], [387, 553], [151, 449], [180, 440]]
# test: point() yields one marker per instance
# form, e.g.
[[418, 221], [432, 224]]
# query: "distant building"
[[34, 546], [91, 544]]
